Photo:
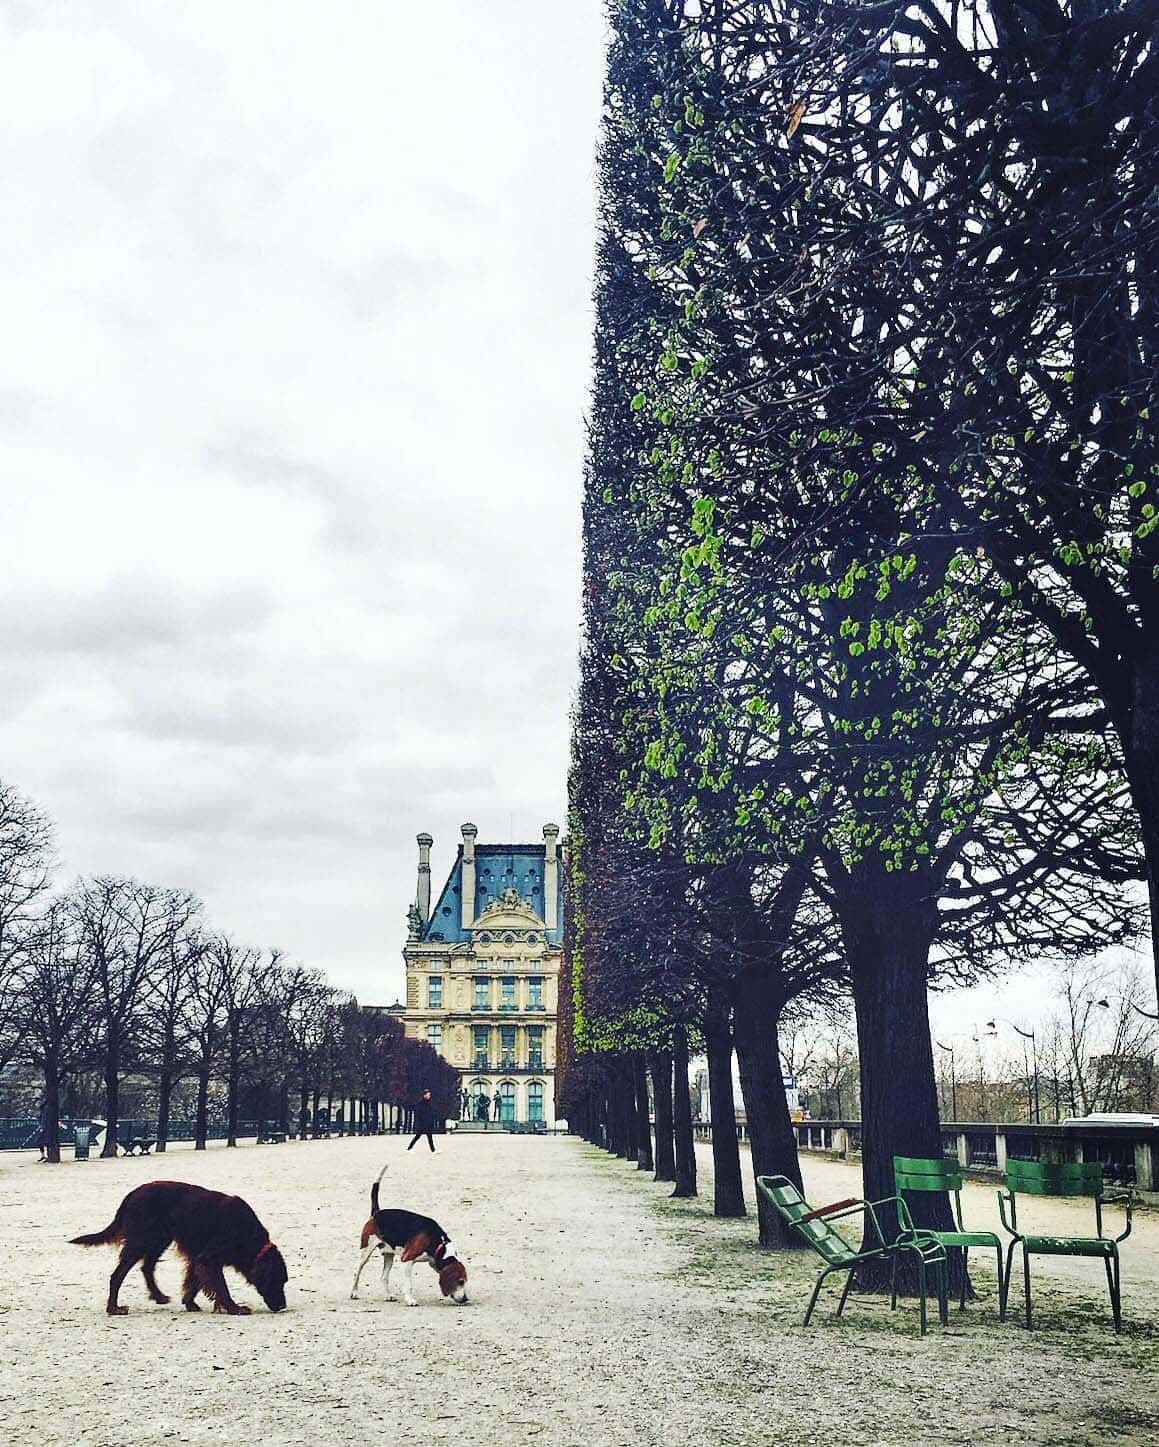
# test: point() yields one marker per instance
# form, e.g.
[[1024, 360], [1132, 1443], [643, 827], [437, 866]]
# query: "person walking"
[[497, 1108], [424, 1121]]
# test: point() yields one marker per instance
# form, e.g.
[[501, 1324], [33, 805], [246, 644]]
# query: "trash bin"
[[81, 1132]]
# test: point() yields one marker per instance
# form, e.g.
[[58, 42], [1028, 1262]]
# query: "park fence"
[[23, 1132], [1128, 1153]]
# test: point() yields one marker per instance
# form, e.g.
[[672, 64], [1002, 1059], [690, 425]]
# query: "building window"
[[435, 1037], [535, 992], [506, 1102], [481, 993], [507, 994], [506, 1046], [435, 992], [535, 1101], [481, 1034], [535, 1047]]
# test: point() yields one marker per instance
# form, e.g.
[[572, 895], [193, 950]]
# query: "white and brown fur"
[[412, 1238]]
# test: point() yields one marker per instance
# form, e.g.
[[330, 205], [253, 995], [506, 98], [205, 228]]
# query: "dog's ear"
[[452, 1276]]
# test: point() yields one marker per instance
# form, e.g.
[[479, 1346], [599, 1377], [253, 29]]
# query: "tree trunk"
[[660, 1064], [164, 1095], [1139, 733], [758, 1001], [887, 936], [233, 1083], [51, 1113], [304, 1110], [625, 1098], [112, 1100], [728, 1188], [201, 1125], [644, 1161], [682, 1116]]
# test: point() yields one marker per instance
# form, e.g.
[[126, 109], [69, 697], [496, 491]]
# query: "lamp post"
[[949, 1049], [1033, 1112]]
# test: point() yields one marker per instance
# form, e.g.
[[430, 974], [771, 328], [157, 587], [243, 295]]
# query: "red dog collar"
[[269, 1246]]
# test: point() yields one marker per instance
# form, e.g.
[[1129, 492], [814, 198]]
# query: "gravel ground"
[[601, 1313]]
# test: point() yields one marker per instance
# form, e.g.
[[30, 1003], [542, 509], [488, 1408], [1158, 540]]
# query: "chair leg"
[[922, 1290], [813, 1298], [1113, 1287], [1026, 1276], [846, 1289], [943, 1279], [965, 1277], [1001, 1288], [1005, 1297], [893, 1282]]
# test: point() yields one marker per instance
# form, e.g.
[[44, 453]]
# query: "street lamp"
[[1034, 1110]]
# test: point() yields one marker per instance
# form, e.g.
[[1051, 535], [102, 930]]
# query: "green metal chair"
[[1043, 1178], [839, 1255], [913, 1173]]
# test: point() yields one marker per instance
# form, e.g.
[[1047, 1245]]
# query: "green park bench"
[[1049, 1178], [137, 1145], [913, 1173], [837, 1253]]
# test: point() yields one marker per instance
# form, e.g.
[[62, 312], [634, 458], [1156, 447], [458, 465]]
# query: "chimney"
[[550, 875], [423, 897], [467, 883]]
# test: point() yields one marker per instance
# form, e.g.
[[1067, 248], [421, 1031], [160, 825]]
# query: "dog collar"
[[269, 1246]]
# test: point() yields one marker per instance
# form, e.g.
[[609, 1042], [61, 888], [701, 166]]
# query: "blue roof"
[[497, 867]]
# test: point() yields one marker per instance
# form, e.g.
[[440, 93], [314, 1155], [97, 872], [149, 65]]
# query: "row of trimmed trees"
[[120, 979], [870, 568]]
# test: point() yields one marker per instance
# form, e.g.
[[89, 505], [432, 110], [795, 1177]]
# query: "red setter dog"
[[211, 1230]]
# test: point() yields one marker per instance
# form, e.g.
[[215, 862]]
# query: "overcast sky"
[[297, 318]]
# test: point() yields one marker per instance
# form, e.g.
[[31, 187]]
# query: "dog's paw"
[[411, 1301], [161, 1299], [117, 1310], [242, 1311], [354, 1296]]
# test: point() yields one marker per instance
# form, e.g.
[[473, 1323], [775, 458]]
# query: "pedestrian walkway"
[[602, 1314]]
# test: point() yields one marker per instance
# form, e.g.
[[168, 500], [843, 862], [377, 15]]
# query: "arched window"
[[507, 1102], [535, 1100]]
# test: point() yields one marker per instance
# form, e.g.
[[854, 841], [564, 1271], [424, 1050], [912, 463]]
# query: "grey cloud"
[[123, 616]]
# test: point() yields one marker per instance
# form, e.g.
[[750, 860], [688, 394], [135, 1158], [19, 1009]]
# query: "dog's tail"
[[112, 1232], [374, 1192]]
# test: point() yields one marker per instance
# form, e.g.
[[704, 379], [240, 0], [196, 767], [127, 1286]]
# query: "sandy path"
[[601, 1313]]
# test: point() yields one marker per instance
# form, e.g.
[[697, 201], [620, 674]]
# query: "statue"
[[414, 922]]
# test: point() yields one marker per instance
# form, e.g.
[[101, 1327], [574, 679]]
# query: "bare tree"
[[166, 1016], [55, 1007], [125, 927], [243, 979], [1107, 1039], [25, 867]]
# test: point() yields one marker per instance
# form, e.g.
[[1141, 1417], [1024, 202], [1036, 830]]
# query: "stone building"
[[482, 970]]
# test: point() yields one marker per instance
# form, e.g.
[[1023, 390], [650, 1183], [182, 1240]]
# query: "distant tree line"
[[116, 980], [871, 551]]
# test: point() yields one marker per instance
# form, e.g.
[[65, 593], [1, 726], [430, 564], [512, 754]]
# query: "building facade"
[[482, 971]]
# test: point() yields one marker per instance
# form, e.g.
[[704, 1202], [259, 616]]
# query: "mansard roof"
[[498, 867]]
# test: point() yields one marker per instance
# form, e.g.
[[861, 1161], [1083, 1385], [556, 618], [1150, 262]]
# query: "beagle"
[[412, 1238]]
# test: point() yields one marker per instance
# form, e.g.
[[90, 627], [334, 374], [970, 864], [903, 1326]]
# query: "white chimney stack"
[[468, 875], [550, 875], [423, 896]]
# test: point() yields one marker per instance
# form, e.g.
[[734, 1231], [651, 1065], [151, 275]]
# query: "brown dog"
[[211, 1230]]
